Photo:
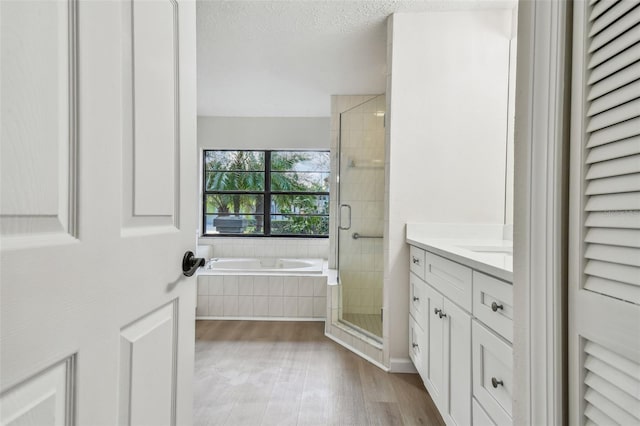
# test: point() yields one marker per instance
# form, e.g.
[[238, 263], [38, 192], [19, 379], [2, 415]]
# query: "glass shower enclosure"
[[361, 216]]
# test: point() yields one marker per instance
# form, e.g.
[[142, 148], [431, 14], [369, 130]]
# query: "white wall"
[[311, 133], [264, 132], [447, 92]]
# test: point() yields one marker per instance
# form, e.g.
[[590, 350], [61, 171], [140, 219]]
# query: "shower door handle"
[[340, 226]]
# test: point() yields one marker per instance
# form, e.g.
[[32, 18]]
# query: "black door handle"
[[191, 263]]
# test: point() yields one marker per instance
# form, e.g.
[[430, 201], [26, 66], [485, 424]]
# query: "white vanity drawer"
[[416, 261], [480, 417], [417, 345], [492, 373], [417, 299], [450, 278], [493, 303]]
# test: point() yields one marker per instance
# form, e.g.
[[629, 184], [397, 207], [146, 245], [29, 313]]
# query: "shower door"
[[361, 207]]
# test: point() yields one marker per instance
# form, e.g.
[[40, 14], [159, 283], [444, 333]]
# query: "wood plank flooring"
[[289, 373]]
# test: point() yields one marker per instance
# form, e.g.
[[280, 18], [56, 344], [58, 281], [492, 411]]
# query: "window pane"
[[300, 182], [299, 225], [300, 161], [234, 181], [234, 203], [234, 160], [234, 224], [300, 204]]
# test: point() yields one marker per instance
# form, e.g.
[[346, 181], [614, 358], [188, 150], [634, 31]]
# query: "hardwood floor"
[[289, 373]]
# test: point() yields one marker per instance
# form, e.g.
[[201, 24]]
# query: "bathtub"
[[262, 266]]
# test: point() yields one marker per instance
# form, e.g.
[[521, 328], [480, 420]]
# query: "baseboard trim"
[[402, 365], [305, 319]]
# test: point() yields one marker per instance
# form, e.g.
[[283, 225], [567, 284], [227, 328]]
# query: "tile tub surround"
[[293, 297]]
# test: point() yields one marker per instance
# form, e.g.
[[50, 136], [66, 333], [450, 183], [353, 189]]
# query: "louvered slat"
[[619, 149], [609, 408], [614, 272], [632, 368], [608, 202], [614, 254], [613, 393], [624, 130], [621, 220], [597, 417], [614, 81], [617, 97], [615, 115], [612, 385], [624, 183], [604, 23], [615, 47], [615, 289], [614, 167], [614, 237], [601, 7]]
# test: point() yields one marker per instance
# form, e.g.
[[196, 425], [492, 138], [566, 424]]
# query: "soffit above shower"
[[285, 58]]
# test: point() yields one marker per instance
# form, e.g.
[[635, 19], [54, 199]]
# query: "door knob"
[[495, 382], [191, 263], [495, 307]]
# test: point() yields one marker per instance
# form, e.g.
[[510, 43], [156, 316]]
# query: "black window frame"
[[266, 193]]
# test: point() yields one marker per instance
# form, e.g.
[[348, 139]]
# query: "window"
[[266, 193]]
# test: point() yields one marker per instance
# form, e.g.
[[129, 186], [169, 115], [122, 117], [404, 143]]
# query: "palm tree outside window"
[[266, 193]]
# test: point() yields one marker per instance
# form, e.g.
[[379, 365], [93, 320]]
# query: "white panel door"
[[98, 205], [604, 252]]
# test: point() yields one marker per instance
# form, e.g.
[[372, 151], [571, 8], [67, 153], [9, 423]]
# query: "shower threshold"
[[368, 324]]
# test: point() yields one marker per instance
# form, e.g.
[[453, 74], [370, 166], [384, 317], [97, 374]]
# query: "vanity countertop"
[[481, 247]]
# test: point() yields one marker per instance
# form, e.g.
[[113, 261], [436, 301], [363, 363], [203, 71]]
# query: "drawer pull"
[[415, 260], [439, 312], [414, 345], [495, 307], [415, 299], [495, 382]]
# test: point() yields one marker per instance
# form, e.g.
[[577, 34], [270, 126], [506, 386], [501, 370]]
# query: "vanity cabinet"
[[461, 329]]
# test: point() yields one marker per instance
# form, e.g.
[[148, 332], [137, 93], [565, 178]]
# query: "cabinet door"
[[435, 351], [457, 358], [416, 345]]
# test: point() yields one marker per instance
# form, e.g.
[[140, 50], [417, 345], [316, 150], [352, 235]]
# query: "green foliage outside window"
[[235, 186]]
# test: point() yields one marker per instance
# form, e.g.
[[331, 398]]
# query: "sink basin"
[[489, 249]]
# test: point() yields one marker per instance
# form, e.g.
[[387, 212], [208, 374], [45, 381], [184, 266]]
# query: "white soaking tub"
[[276, 266]]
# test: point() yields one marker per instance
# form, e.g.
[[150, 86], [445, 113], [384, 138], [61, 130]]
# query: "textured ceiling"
[[285, 58]]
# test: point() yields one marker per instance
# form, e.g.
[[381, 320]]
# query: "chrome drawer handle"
[[495, 307], [495, 382], [415, 299]]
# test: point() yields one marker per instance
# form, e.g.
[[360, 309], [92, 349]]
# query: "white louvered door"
[[604, 251]]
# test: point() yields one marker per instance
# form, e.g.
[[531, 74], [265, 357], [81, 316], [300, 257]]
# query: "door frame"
[[543, 94]]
